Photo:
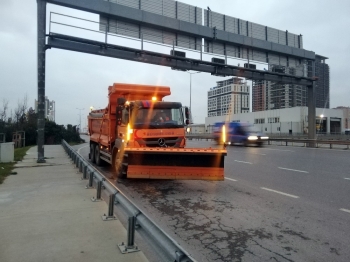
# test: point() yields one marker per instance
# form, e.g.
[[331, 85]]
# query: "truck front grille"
[[160, 142]]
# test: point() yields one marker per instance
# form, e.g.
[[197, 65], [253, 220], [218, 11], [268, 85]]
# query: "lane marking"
[[82, 148], [279, 149], [279, 192], [234, 180], [346, 178], [243, 162], [345, 210], [301, 171], [247, 152]]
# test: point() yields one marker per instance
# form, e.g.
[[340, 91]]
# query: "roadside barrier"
[[165, 246]]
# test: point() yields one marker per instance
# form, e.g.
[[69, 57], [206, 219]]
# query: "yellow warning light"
[[129, 132], [154, 98], [224, 134]]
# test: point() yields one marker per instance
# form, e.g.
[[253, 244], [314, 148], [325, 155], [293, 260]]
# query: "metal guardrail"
[[311, 141], [325, 139], [154, 235]]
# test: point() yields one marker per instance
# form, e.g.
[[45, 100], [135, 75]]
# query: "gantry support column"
[[41, 29]]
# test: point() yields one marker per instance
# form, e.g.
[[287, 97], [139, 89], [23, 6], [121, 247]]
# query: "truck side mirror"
[[119, 113], [187, 122], [121, 101], [187, 113]]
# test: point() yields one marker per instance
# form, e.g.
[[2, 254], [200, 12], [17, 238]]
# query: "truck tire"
[[98, 160], [92, 153], [119, 163]]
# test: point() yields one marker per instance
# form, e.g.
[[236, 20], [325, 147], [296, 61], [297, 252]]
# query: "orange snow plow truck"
[[142, 136]]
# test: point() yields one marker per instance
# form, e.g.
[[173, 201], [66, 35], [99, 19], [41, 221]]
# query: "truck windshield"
[[157, 118]]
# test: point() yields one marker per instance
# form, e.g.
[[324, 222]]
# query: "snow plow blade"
[[176, 163]]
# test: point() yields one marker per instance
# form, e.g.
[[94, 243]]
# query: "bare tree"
[[3, 111], [20, 111]]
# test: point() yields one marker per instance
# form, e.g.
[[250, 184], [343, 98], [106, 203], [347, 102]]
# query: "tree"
[[20, 112], [26, 120]]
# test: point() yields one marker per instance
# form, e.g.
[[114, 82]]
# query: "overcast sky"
[[77, 80]]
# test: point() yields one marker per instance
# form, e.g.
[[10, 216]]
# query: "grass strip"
[[6, 168]]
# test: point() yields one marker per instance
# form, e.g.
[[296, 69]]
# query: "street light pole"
[[80, 118], [191, 88]]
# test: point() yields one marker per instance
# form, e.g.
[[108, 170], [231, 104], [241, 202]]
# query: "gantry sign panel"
[[228, 36], [167, 8]]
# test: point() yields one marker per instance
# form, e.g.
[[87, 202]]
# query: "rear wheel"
[[92, 153]]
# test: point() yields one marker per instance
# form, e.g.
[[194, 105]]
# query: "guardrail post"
[[85, 172], [77, 161], [110, 214], [80, 166], [98, 192], [91, 180], [130, 246]]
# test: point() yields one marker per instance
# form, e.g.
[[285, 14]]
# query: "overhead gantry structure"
[[212, 35]]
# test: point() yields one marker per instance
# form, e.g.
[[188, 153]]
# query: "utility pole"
[[41, 45]]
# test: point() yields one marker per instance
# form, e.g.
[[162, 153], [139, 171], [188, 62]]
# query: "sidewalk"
[[46, 215]]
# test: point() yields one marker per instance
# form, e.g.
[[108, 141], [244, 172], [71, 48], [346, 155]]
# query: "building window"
[[259, 121], [273, 120]]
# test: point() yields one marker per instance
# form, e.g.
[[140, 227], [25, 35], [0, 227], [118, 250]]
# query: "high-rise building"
[[322, 84], [259, 95], [269, 95], [50, 108], [230, 96]]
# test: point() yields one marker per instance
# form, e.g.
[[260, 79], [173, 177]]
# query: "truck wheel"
[[98, 160], [118, 166], [92, 153]]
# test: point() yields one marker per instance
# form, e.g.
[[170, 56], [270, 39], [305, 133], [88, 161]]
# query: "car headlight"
[[264, 137], [252, 138]]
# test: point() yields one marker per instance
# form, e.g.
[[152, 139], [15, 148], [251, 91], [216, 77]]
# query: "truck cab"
[[148, 123]]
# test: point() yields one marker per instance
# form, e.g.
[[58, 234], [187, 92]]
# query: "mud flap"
[[176, 163]]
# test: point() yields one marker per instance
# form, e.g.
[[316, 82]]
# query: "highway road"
[[277, 203]]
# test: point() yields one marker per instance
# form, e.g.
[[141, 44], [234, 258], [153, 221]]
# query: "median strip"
[[279, 192], [295, 170], [243, 162]]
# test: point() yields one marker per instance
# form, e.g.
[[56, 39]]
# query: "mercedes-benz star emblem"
[[161, 141]]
